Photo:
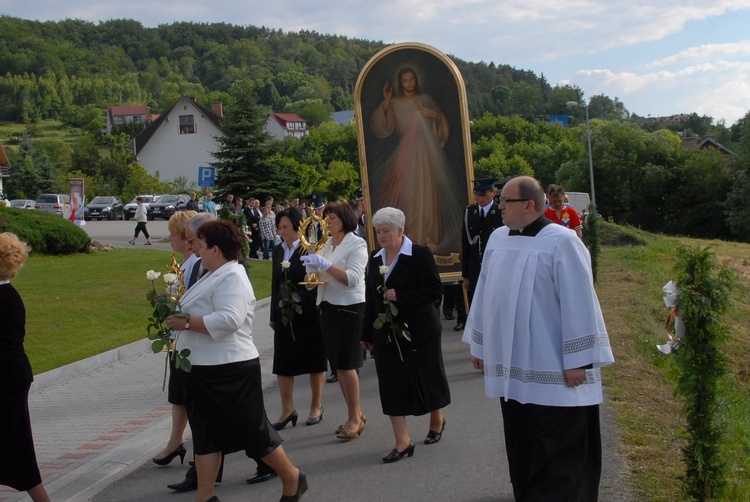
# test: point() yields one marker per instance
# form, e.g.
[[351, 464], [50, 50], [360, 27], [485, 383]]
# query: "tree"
[[242, 165]]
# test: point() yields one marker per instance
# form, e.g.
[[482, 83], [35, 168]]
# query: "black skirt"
[[175, 389], [18, 465], [342, 332], [226, 411], [415, 386], [299, 351]]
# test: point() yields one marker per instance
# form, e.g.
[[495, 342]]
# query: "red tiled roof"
[[118, 111], [283, 118]]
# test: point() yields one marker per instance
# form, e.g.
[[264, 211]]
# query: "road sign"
[[206, 176]]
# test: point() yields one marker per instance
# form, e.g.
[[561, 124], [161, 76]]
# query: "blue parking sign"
[[206, 176]]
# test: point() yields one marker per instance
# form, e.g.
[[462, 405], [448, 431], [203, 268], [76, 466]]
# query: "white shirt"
[[405, 250], [140, 213], [350, 255], [483, 210], [289, 252], [226, 300], [535, 313]]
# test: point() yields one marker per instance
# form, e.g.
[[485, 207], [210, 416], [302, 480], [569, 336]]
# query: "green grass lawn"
[[82, 305]]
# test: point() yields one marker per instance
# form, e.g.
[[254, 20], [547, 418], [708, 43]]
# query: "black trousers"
[[554, 452], [453, 299], [141, 227]]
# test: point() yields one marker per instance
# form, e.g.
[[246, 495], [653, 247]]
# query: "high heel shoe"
[[316, 420], [341, 427], [180, 451], [291, 418], [395, 455], [301, 488], [434, 436], [351, 435]]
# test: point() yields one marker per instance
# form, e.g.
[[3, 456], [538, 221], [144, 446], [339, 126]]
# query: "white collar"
[[2, 283], [485, 209], [406, 247]]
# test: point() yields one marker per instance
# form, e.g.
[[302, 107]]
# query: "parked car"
[[52, 202], [131, 206], [166, 205], [23, 203], [110, 208]]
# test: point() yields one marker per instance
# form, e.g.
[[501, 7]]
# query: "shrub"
[[45, 233]]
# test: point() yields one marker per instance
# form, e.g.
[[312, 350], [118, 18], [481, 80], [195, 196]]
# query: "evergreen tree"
[[242, 165]]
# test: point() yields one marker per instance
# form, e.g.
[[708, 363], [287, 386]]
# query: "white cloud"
[[708, 52]]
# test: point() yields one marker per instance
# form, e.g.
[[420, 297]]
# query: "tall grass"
[[81, 305]]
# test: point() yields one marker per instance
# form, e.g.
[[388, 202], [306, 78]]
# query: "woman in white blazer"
[[224, 392], [342, 263]]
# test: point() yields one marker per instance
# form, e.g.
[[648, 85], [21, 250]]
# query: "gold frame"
[[312, 278], [392, 51]]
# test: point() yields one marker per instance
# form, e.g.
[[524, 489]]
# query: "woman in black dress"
[[411, 375], [18, 466], [298, 344]]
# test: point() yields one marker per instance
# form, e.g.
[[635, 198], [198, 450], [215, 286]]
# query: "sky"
[[660, 58]]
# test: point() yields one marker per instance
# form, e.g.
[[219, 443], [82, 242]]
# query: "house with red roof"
[[285, 125], [126, 114]]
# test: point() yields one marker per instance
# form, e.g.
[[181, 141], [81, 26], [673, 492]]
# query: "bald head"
[[524, 202]]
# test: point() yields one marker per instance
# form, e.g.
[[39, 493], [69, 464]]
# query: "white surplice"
[[535, 313]]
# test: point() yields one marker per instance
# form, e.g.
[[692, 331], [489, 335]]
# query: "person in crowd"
[[561, 213], [240, 207], [341, 264], [192, 204], [208, 204], [480, 220], [229, 203], [253, 217], [453, 301], [176, 393], [224, 390], [411, 374], [141, 217], [536, 294], [267, 231], [18, 464], [298, 344]]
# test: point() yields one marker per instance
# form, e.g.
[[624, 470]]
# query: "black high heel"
[[180, 451], [434, 436], [395, 455], [291, 418], [316, 420], [301, 488]]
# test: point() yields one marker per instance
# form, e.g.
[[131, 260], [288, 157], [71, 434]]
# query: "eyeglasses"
[[505, 200]]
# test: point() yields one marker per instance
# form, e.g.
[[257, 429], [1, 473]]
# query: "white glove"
[[316, 261]]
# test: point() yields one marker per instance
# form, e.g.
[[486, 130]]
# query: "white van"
[[580, 201]]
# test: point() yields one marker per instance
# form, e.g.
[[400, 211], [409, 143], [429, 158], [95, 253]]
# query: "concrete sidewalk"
[[97, 423]]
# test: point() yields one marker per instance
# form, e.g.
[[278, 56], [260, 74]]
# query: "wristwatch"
[[187, 323]]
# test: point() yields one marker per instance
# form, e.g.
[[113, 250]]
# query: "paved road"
[[98, 422], [118, 233]]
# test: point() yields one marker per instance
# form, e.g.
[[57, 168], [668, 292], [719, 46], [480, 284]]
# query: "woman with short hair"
[[224, 389], [18, 465], [411, 374], [341, 265]]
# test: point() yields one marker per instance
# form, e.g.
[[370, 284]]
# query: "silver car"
[[52, 202], [23, 203]]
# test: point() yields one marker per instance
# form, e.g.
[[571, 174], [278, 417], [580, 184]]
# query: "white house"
[[284, 125], [126, 114], [180, 140]]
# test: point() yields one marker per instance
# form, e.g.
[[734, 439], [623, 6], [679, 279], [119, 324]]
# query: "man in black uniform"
[[480, 220]]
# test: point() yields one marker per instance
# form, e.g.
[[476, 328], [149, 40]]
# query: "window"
[[138, 119], [119, 119], [187, 125]]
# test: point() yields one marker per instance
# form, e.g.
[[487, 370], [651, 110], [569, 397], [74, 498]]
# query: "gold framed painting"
[[415, 146]]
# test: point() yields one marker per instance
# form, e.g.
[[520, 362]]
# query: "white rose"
[[170, 278], [152, 275], [285, 264], [383, 269]]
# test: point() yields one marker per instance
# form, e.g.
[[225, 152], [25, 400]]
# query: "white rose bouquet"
[[388, 318]]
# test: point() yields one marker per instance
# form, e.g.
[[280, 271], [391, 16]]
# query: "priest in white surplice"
[[536, 329]]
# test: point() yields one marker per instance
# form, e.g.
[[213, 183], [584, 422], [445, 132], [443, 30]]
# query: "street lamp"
[[573, 104]]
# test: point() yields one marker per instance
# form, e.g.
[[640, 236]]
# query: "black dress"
[[417, 385], [18, 465], [303, 352]]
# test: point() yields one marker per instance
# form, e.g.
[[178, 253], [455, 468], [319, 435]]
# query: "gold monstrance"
[[308, 238]]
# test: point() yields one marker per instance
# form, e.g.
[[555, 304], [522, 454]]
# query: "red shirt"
[[568, 217]]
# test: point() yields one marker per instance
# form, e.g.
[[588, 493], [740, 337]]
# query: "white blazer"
[[351, 255], [226, 300]]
